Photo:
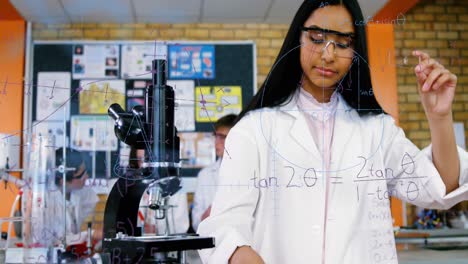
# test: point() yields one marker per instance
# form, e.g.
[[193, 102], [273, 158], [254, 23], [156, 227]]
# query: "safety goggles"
[[319, 39]]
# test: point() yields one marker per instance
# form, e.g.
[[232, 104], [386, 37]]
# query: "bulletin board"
[[68, 85]]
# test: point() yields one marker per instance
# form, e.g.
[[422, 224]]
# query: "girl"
[[312, 162]]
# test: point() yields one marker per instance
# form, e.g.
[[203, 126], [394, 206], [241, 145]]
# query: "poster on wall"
[[53, 95], [137, 59], [95, 61], [92, 133], [134, 101], [10, 148], [197, 149], [97, 96], [184, 115], [192, 62], [214, 102], [136, 94], [55, 128]]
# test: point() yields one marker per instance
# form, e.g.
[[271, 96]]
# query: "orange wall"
[[393, 8], [382, 61], [12, 54], [381, 45], [8, 11]]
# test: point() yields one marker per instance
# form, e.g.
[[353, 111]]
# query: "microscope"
[[151, 128]]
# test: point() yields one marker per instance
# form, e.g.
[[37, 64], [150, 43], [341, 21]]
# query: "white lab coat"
[[207, 181], [272, 190], [82, 203]]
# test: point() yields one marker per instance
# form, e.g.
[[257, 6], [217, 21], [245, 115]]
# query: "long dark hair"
[[285, 76]]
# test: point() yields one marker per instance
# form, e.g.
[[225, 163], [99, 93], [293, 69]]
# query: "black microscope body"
[[151, 128]]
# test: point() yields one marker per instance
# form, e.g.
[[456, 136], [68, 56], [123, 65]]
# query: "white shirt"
[[272, 189], [51, 228], [207, 181]]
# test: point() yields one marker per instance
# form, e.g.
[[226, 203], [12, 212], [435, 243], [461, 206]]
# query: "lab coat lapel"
[[299, 131], [346, 120]]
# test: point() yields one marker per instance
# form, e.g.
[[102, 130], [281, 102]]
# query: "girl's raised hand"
[[436, 86]]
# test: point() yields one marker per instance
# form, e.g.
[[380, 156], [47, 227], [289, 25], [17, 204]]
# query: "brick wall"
[[268, 37], [439, 27]]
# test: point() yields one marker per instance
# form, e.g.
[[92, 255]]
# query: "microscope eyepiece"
[[128, 128], [115, 111], [138, 110]]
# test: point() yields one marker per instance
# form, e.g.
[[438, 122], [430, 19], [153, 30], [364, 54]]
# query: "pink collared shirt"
[[320, 118]]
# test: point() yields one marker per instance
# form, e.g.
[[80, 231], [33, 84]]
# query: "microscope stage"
[[154, 244]]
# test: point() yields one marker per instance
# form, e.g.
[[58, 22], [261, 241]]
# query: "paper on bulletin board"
[[185, 104], [191, 61], [55, 128], [134, 101], [93, 133], [53, 94], [10, 147], [136, 94], [97, 96], [197, 149], [214, 102], [137, 59], [95, 61]]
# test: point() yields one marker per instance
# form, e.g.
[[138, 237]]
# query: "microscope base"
[[145, 249]]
